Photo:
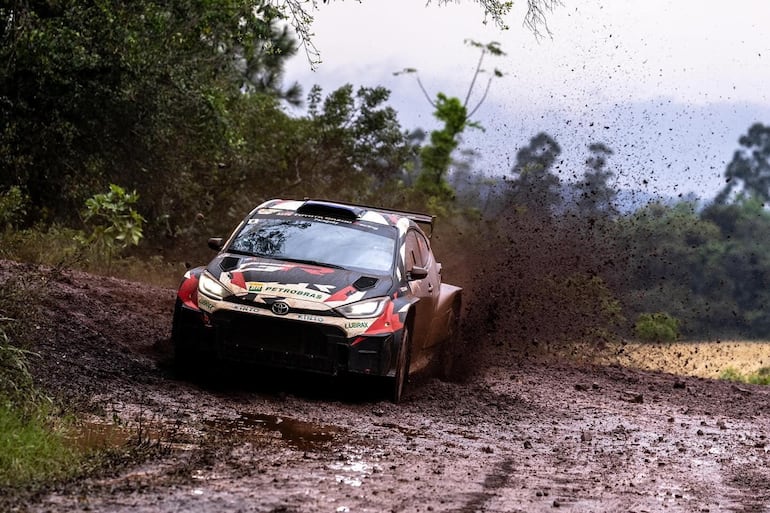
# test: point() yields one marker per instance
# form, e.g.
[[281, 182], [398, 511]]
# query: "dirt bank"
[[521, 435]]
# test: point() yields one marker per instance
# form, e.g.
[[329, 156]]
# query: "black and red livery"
[[324, 287]]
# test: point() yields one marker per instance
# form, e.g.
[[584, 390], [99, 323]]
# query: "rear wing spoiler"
[[418, 217]]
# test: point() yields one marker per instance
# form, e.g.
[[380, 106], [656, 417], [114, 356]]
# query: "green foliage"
[[32, 444], [129, 92], [53, 245], [349, 145], [13, 207], [656, 327], [436, 157], [761, 377], [33, 449], [749, 170], [16, 387], [115, 223]]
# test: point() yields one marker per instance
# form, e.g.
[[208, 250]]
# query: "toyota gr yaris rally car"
[[323, 287]]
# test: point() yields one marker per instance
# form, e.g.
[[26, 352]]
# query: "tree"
[[349, 145], [436, 157], [744, 261], [497, 10], [137, 93], [534, 186], [300, 15], [749, 171], [596, 198]]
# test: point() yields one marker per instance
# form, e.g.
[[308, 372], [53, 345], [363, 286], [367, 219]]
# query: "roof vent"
[[330, 211]]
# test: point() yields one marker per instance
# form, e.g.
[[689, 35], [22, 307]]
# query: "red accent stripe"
[[236, 278], [188, 292], [342, 294], [388, 322]]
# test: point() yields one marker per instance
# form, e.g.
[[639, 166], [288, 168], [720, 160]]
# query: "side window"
[[412, 256], [424, 250], [417, 249]]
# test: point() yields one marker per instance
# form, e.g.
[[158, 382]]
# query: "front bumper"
[[285, 343]]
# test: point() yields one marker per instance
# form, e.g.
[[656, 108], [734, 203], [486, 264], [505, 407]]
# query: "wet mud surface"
[[521, 434]]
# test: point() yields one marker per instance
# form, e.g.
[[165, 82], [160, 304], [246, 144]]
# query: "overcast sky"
[[670, 86]]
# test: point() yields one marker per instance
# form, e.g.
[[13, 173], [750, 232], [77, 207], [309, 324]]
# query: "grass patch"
[[33, 448], [58, 247], [760, 377]]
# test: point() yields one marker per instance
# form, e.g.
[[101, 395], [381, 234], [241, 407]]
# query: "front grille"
[[278, 342], [248, 300]]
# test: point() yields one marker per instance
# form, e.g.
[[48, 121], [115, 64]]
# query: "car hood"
[[253, 278]]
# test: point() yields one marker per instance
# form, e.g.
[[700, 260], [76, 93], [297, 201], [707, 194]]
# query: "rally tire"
[[187, 358], [399, 382]]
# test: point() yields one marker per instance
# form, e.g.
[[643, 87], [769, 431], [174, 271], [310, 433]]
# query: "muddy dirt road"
[[523, 434]]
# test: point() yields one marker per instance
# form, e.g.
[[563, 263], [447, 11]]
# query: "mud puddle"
[[254, 427]]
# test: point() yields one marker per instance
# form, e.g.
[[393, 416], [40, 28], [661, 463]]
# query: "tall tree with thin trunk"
[[436, 157]]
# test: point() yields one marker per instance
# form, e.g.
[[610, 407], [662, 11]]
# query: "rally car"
[[324, 287]]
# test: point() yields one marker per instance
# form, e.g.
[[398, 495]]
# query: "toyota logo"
[[280, 308]]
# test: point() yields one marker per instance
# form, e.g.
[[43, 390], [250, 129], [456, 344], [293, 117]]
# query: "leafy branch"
[[116, 224]]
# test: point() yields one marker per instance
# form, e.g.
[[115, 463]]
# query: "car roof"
[[349, 212]]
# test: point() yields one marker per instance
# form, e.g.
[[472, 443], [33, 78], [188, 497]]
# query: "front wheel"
[[186, 352], [400, 380]]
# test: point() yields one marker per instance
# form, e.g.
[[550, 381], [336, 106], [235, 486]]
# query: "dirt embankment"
[[522, 434]]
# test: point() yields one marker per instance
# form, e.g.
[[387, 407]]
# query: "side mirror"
[[417, 273], [216, 243]]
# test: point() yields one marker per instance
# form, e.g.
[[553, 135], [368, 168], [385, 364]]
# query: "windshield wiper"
[[285, 259], [241, 252]]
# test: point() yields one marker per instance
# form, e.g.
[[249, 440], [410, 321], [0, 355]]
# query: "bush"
[[115, 223], [13, 207], [761, 377], [53, 245], [657, 327]]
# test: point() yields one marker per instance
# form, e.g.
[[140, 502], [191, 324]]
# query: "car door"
[[434, 286], [425, 288]]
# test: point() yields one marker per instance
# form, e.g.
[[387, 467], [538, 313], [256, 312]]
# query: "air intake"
[[229, 263], [365, 282], [330, 211]]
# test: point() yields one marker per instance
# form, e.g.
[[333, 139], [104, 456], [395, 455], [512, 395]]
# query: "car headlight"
[[211, 287], [364, 309]]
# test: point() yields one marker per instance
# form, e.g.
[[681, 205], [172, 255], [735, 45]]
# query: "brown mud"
[[521, 434]]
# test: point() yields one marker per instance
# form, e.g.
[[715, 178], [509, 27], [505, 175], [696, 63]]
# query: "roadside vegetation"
[[166, 127], [203, 135], [33, 446], [760, 377]]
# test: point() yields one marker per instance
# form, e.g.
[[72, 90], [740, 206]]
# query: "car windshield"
[[317, 241]]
